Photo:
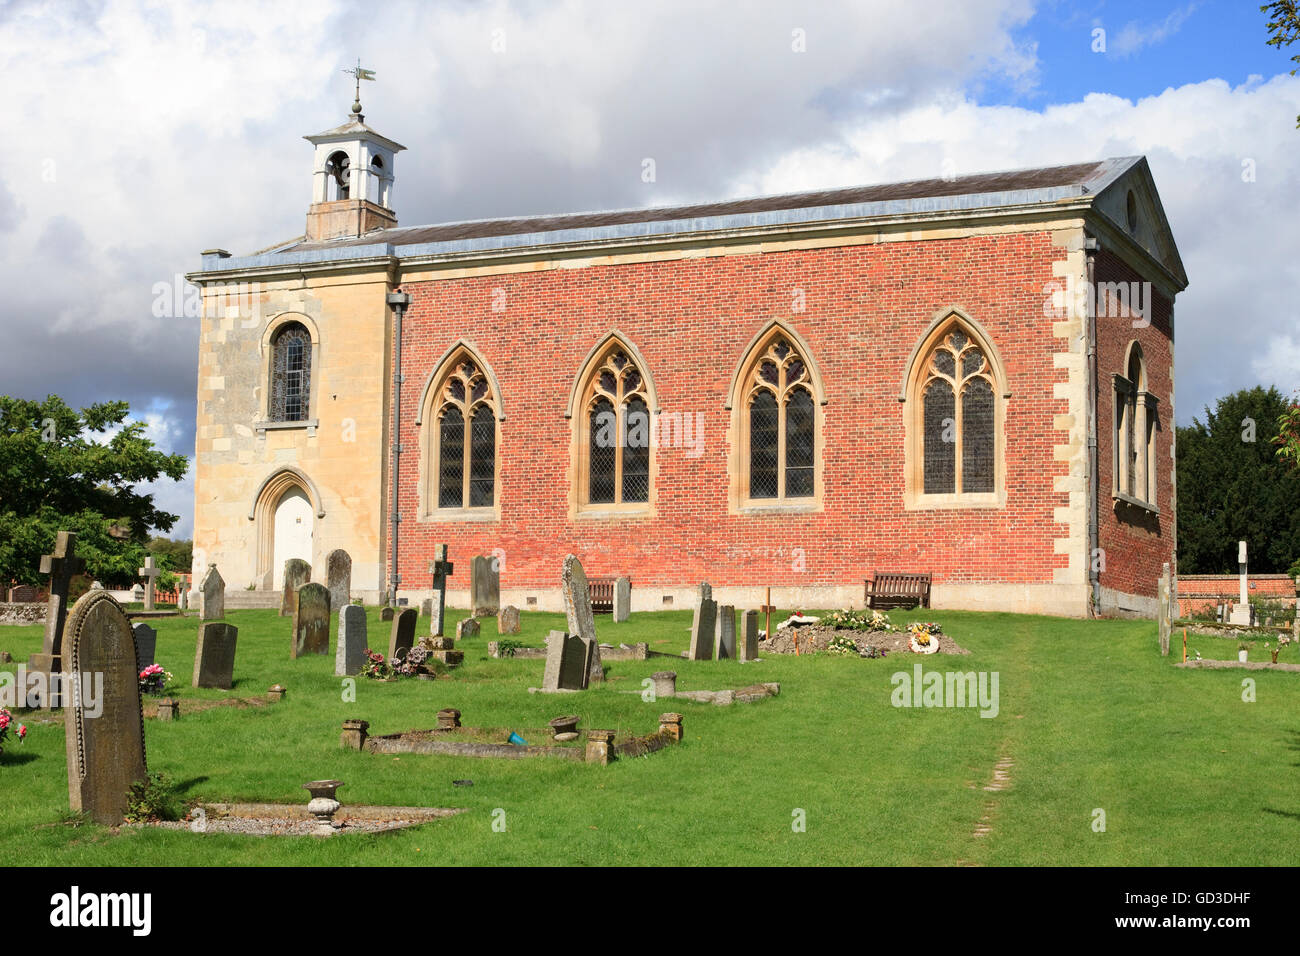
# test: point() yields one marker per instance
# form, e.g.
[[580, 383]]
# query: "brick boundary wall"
[[1197, 590]]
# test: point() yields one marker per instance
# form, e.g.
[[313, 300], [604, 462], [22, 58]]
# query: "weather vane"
[[360, 75]]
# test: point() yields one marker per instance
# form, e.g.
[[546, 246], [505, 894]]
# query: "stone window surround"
[[1131, 397]]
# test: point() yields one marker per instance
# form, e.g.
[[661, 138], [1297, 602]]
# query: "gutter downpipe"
[[1091, 247], [398, 301]]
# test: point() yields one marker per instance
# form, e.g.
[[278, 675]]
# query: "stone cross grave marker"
[[62, 565], [703, 626], [726, 650], [214, 655], [146, 643], [749, 636], [150, 573], [484, 586], [350, 655], [577, 608], [311, 621], [104, 721], [441, 570], [212, 596], [402, 637], [568, 662], [338, 577], [297, 572], [1241, 611], [622, 599]]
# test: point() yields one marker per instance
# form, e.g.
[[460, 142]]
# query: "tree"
[[54, 476], [1283, 28], [1288, 436], [1232, 487]]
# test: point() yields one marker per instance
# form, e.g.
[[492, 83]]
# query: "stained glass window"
[[958, 418], [977, 436], [618, 427], [290, 374], [482, 457], [451, 458], [636, 451], [939, 438], [799, 445], [764, 422], [782, 453], [604, 452], [467, 439]]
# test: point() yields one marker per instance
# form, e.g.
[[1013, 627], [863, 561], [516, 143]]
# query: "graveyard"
[[1090, 716]]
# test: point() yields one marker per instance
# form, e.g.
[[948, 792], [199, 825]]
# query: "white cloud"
[[1134, 35]]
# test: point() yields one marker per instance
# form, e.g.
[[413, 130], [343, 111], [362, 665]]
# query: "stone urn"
[[565, 728], [323, 806]]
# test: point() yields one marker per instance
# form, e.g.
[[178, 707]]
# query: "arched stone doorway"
[[286, 509]]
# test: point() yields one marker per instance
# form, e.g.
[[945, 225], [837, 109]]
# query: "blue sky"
[[153, 129]]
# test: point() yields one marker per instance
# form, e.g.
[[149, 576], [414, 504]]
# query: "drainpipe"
[[399, 302], [1091, 247]]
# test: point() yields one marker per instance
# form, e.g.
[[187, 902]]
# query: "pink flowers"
[[6, 722], [153, 680]]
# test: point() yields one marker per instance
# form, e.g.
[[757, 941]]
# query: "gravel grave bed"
[[815, 638]]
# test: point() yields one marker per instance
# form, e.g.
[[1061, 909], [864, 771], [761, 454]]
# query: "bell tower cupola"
[[352, 177]]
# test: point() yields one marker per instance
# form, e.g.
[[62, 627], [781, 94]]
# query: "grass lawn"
[[1090, 717]]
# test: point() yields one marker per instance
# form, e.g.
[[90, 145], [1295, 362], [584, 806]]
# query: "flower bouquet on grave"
[[375, 667], [923, 637], [1282, 642], [7, 726], [413, 663], [154, 680], [841, 644]]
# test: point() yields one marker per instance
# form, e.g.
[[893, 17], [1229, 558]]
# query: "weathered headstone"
[[508, 620], [484, 586], [150, 573], [726, 650], [749, 636], [62, 565], [104, 722], [467, 627], [706, 591], [146, 643], [25, 593], [568, 662], [137, 593], [426, 607], [622, 599], [338, 577], [212, 596], [441, 569], [703, 627], [1164, 619], [214, 655], [183, 598], [386, 612], [311, 621], [402, 637], [350, 655], [297, 572], [577, 608]]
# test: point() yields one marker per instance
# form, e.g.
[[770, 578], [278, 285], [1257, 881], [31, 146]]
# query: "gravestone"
[[568, 662], [350, 655], [706, 591], [297, 572], [1164, 618], [146, 643], [749, 636], [214, 655], [508, 620], [62, 565], [402, 637], [137, 594], [426, 607], [703, 627], [183, 598], [25, 593], [212, 596], [484, 586], [1242, 612], [386, 612], [311, 621], [150, 573], [577, 608], [468, 627], [441, 569], [338, 577], [726, 650], [622, 599], [105, 735]]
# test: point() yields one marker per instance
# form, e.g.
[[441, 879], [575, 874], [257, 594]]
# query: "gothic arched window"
[[616, 433], [290, 374], [464, 446], [780, 457], [954, 419]]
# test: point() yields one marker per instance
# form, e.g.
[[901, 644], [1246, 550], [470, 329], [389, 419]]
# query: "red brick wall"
[[866, 309], [1196, 591], [1135, 546]]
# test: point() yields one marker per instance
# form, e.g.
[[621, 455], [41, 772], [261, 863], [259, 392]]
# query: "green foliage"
[[1283, 28], [1231, 489], [1288, 435], [153, 800], [55, 477], [507, 647], [857, 620]]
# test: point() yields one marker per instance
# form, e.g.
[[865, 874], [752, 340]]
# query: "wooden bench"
[[602, 595], [885, 590]]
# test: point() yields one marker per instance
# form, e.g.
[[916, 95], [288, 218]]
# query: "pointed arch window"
[[290, 395], [954, 418], [780, 424], [615, 428], [464, 439]]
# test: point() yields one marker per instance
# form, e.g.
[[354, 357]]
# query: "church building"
[[970, 377]]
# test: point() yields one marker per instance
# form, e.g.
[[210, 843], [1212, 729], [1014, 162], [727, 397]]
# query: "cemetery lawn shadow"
[[1090, 718]]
